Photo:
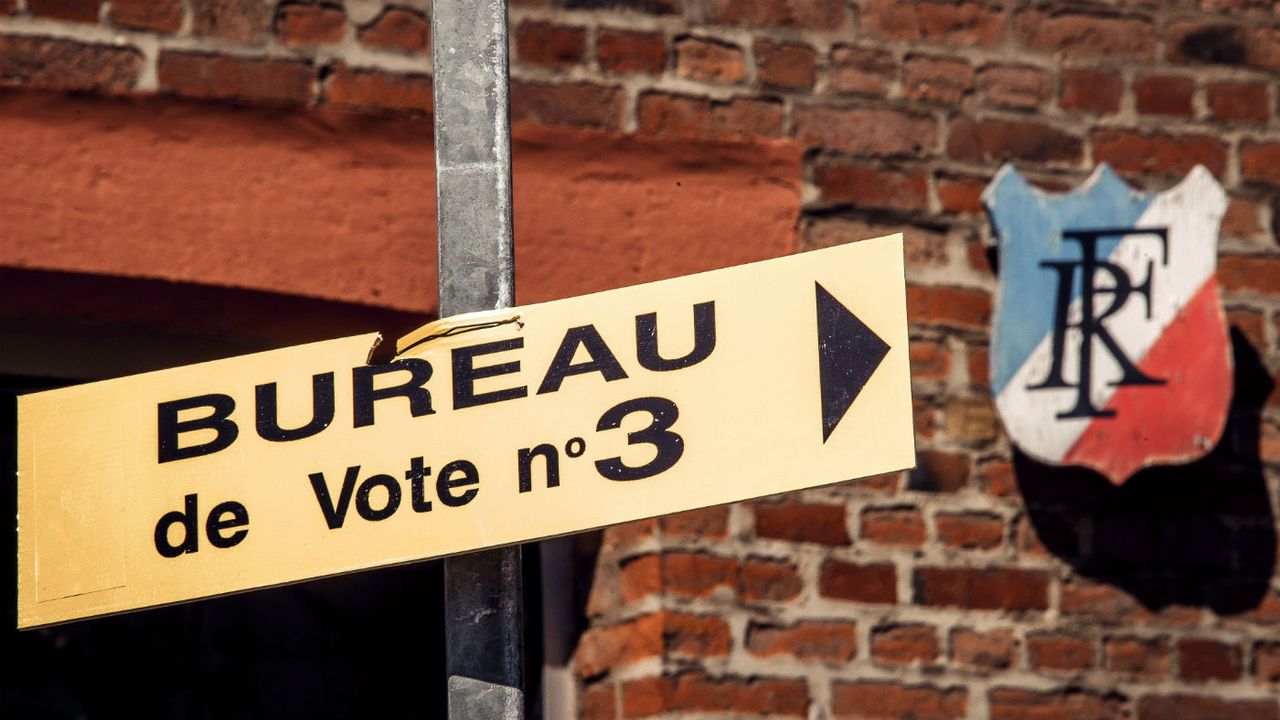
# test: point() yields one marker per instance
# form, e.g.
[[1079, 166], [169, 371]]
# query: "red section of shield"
[[1176, 422]]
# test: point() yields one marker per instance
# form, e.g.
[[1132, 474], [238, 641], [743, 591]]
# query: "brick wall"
[[981, 584]]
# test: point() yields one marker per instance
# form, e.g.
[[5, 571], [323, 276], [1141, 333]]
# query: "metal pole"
[[483, 600]]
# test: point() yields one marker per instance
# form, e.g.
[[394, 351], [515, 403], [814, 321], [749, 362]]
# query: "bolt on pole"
[[483, 600]]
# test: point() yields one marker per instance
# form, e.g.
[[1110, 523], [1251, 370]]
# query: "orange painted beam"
[[342, 207]]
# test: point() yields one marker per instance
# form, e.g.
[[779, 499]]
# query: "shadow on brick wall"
[[1198, 535]]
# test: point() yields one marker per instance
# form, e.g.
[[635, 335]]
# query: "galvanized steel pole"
[[483, 600]]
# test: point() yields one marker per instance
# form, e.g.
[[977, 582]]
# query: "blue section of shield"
[[1028, 225]]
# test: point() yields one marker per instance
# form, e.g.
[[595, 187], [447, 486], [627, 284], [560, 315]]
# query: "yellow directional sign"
[[484, 430]]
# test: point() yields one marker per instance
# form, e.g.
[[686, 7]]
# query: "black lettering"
[[417, 475], [704, 340], [602, 359], [335, 513], [551, 462], [168, 426], [364, 395], [669, 445], [465, 374], [185, 519], [365, 507], [216, 524], [445, 484], [268, 410]]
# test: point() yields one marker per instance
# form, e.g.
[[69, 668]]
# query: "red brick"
[[1091, 90], [574, 104], [1250, 323], [1107, 603], [224, 77], [378, 90], [697, 693], [869, 583], [930, 360], [1260, 7], [709, 60], [1020, 87], [604, 648], [1192, 707], [811, 14], [1070, 704], [299, 24], [939, 471], [646, 696], [239, 21], [802, 522], [649, 7], [922, 246], [971, 420], [1164, 95], [996, 478], [1238, 102], [1028, 540], [904, 644], [1242, 219], [161, 16], [1145, 660], [398, 29], [695, 635], [627, 535], [891, 701], [1055, 651], [860, 71], [868, 187], [640, 577], [631, 51], [598, 702], [1160, 153], [694, 118], [1080, 35], [85, 11], [67, 64], [1200, 660], [979, 366], [893, 526], [785, 65], [1260, 162], [712, 522], [970, 530], [960, 307], [769, 580], [938, 79], [697, 574], [963, 24], [982, 589], [827, 641], [882, 484], [990, 650], [1266, 662], [1216, 42], [1009, 140], [925, 420], [1249, 274], [961, 195], [549, 44], [864, 131]]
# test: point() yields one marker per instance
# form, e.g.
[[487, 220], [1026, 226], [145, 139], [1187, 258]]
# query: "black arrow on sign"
[[848, 354]]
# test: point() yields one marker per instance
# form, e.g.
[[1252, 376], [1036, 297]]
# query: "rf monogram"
[[1091, 325]]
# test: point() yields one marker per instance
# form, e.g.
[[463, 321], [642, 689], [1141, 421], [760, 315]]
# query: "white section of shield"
[[1192, 211]]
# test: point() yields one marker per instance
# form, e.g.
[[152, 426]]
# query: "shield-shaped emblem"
[[1109, 345]]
